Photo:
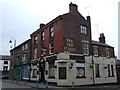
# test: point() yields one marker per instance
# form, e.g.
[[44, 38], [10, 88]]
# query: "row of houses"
[[62, 52]]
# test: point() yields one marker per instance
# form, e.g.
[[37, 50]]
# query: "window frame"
[[42, 36], [35, 53], [95, 51], [51, 31], [83, 29], [97, 70], [51, 69], [85, 48], [78, 68]]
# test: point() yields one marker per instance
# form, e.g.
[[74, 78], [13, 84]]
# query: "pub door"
[[41, 72]]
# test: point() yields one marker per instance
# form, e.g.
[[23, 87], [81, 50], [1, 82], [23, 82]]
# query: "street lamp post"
[[12, 42]]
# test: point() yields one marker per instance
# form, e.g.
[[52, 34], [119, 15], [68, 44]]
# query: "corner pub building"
[[63, 52]]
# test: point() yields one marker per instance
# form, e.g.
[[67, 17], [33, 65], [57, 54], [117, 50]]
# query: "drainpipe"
[[93, 65], [93, 70]]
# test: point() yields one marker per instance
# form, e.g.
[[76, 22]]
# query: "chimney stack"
[[73, 7], [102, 38], [42, 25]]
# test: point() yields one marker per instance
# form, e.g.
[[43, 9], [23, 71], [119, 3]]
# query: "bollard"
[[25, 81], [37, 84], [72, 84], [46, 84]]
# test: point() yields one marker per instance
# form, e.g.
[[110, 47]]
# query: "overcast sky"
[[19, 18]]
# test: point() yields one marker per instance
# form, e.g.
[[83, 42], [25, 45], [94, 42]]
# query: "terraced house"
[[20, 61], [63, 52]]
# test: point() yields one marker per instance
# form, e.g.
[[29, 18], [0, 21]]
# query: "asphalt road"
[[11, 86]]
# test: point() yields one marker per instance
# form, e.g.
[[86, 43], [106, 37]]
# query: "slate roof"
[[100, 44]]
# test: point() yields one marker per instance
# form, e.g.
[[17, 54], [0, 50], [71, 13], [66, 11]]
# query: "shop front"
[[25, 72]]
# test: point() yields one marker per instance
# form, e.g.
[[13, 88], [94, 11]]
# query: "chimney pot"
[[42, 25], [102, 38]]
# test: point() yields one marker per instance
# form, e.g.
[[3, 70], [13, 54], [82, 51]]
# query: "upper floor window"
[[85, 49], [51, 31], [23, 47], [35, 39], [95, 51], [83, 29], [42, 36], [51, 47], [35, 53], [24, 58], [107, 52], [26, 46]]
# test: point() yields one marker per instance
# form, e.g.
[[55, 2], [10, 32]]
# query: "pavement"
[[39, 85]]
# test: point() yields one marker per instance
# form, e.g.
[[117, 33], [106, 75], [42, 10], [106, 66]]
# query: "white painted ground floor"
[[67, 69]]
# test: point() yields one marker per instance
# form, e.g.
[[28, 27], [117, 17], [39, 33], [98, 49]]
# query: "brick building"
[[63, 52], [20, 61], [65, 47]]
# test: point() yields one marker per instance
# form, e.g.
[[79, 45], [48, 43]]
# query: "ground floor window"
[[51, 70], [62, 73], [97, 72], [80, 70], [108, 70], [34, 73]]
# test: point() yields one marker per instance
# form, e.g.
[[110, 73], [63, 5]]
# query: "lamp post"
[[14, 41], [12, 38]]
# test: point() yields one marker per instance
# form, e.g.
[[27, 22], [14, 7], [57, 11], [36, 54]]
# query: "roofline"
[[52, 21], [100, 44], [20, 44]]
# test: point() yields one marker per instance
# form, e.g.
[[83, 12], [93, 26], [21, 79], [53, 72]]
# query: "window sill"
[[111, 76], [52, 77], [97, 76], [81, 77]]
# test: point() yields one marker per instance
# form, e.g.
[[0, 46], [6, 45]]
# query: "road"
[[10, 85]]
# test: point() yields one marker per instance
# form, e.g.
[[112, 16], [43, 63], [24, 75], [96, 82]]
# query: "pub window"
[[85, 49], [108, 70], [5, 62], [107, 53], [35, 39], [80, 70], [95, 50], [51, 70], [112, 70], [83, 29], [51, 46], [97, 72], [51, 31], [35, 53], [62, 73], [42, 36], [34, 73]]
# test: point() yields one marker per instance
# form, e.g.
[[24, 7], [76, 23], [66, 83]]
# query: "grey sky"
[[19, 18]]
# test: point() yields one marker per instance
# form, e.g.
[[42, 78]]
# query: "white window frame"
[[95, 51], [85, 49], [35, 53], [42, 36]]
